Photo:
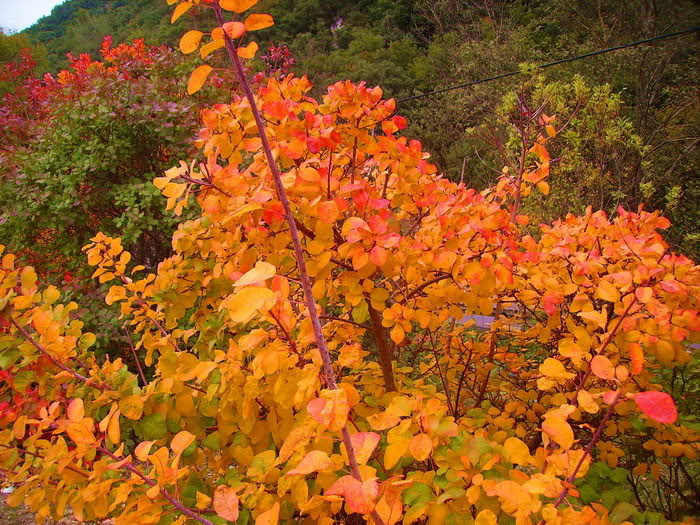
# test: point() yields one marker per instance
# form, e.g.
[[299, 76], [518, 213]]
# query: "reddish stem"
[[43, 351], [151, 483], [296, 243]]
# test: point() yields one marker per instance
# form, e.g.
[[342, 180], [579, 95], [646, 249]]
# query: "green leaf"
[[417, 494]]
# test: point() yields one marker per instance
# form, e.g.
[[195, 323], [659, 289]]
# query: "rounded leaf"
[[659, 406], [198, 78], [421, 446], [226, 503], [256, 22], [248, 51], [237, 6], [190, 41], [602, 367]]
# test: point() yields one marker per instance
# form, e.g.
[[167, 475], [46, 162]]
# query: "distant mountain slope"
[[78, 26]]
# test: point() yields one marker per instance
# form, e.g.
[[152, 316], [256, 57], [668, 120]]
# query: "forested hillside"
[[643, 100], [332, 261]]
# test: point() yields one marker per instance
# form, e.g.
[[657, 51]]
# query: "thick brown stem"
[[386, 352], [294, 234]]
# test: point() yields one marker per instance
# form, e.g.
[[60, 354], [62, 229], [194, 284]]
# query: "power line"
[[550, 64]]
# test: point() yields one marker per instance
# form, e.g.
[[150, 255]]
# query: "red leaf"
[[659, 406]]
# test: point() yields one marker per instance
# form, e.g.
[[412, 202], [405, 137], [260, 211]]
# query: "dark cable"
[[550, 64]]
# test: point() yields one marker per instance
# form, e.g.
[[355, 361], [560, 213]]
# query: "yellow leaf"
[[555, 369], [131, 406], [245, 302], [607, 291], [486, 517], [203, 501], [114, 429], [421, 446], [190, 41], [395, 452], [248, 51], [297, 439], [209, 48], [181, 441], [260, 273], [550, 130], [76, 410], [256, 22], [198, 78], [269, 517], [143, 449], [180, 10], [226, 503], [79, 433], [559, 430], [314, 461], [517, 451], [28, 280], [237, 6], [599, 318], [116, 293], [51, 295], [587, 402]]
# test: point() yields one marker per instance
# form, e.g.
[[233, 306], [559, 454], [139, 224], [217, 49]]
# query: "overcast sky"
[[20, 14]]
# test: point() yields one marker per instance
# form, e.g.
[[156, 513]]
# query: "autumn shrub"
[[309, 351]]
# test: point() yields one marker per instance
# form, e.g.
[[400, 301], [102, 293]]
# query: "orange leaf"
[[234, 30], [256, 22], [248, 51], [269, 517], [226, 503], [331, 409], [383, 421], [180, 10], [314, 461], [76, 410], [328, 212], [420, 447], [190, 41], [237, 6], [636, 357], [644, 294], [364, 443], [143, 449], [559, 430], [359, 496], [198, 78], [212, 46], [181, 441], [602, 367]]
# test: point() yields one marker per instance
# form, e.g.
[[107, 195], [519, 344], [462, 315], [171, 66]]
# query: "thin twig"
[[43, 351], [151, 483]]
